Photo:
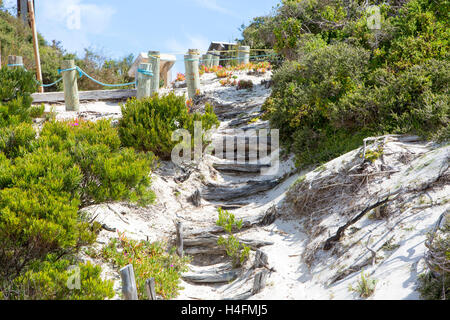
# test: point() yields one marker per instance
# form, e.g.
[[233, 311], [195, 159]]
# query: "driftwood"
[[268, 218], [260, 281], [196, 198], [207, 244], [211, 277], [261, 260], [219, 192], [150, 288], [332, 240]]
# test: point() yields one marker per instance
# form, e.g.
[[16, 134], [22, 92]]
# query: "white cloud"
[[214, 6], [59, 21], [189, 42]]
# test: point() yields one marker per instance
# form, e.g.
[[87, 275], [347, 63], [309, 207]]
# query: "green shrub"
[[54, 280], [16, 86], [148, 124], [238, 252], [44, 183], [16, 140], [365, 287], [109, 173], [149, 260]]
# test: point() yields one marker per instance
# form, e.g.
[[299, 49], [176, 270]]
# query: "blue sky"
[[118, 27]]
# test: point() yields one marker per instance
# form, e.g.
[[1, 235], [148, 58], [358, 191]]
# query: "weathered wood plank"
[[129, 289], [238, 167], [121, 94], [210, 277]]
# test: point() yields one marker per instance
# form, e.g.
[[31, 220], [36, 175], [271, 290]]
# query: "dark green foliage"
[[16, 140], [49, 280], [42, 187], [109, 173], [345, 82], [148, 124], [16, 86]]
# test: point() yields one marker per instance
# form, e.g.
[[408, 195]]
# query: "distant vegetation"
[[342, 81], [16, 39]]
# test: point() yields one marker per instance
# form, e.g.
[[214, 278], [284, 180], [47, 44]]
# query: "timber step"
[[238, 167], [224, 193]]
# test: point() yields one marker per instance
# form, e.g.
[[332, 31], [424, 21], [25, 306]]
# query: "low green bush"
[[148, 124], [16, 87], [237, 251], [44, 182], [149, 260], [16, 140], [54, 279]]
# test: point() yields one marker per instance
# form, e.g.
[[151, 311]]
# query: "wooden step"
[[239, 167]]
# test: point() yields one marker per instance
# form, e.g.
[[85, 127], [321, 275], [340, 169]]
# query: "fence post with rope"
[[144, 80], [15, 61], [244, 55], [191, 61], [70, 73], [155, 58]]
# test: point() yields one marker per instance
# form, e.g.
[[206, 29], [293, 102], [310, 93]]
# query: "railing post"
[[129, 289], [191, 62], [150, 288], [154, 58], [144, 81], [216, 58], [71, 98], [14, 61], [244, 54]]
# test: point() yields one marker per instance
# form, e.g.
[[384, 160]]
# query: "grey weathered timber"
[[218, 192], [154, 58], [70, 86], [207, 244], [260, 281], [211, 277], [265, 219], [196, 198], [120, 94], [261, 259], [129, 289], [15, 60], [191, 61], [150, 289], [237, 167], [244, 54], [144, 81], [180, 251]]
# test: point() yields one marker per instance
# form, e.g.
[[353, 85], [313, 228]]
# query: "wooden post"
[[144, 82], [244, 54], [22, 10], [15, 61], [180, 239], [37, 57], [150, 288], [155, 58], [209, 60], [260, 281], [129, 289], [70, 86], [216, 58], [191, 62]]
